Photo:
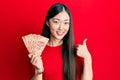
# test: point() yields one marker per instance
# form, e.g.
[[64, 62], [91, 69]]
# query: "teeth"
[[59, 33]]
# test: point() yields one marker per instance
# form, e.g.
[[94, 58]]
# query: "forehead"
[[62, 16]]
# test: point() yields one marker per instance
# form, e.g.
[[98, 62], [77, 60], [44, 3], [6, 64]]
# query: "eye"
[[66, 23], [56, 22]]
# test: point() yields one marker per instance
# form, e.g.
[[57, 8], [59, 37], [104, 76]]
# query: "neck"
[[55, 42]]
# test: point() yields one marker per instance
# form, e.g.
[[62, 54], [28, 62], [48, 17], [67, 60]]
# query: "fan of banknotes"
[[35, 43]]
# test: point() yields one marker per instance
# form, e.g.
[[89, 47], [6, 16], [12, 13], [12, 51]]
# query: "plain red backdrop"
[[97, 20]]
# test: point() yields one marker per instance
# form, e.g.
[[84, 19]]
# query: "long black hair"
[[68, 55]]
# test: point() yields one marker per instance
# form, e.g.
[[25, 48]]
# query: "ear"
[[47, 23]]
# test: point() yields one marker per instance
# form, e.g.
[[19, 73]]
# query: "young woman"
[[61, 60]]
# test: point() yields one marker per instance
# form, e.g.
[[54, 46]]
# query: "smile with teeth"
[[59, 33]]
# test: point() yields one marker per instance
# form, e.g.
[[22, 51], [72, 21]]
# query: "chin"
[[59, 37]]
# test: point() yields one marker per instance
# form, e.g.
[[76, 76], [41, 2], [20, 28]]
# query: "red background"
[[97, 20]]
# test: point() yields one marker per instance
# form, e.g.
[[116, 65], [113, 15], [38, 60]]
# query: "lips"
[[59, 33]]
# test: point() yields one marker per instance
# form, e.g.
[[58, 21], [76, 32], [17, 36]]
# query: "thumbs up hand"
[[82, 50]]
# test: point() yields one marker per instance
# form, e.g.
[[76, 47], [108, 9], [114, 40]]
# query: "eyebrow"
[[59, 19]]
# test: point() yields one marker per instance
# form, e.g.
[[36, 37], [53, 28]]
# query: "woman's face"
[[59, 25]]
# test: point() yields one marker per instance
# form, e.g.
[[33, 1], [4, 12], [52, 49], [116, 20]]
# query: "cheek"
[[53, 29], [66, 29]]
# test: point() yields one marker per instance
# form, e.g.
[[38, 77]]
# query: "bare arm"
[[37, 62], [83, 52], [37, 76], [87, 70]]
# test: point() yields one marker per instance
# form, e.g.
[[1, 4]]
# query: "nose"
[[61, 26]]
